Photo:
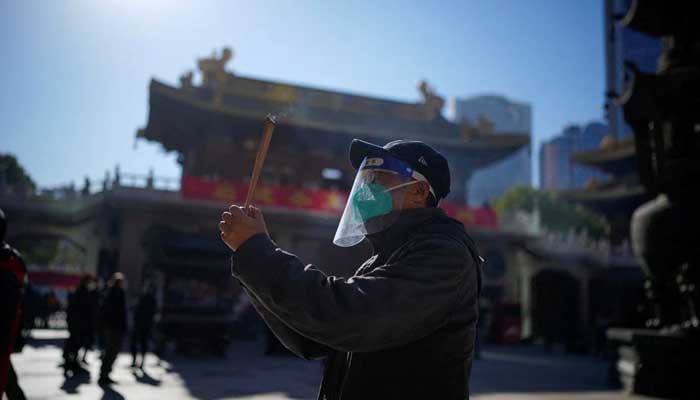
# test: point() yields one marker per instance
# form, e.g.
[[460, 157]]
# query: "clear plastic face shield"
[[375, 195]]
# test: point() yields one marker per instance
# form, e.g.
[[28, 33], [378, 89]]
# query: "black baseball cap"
[[416, 154]]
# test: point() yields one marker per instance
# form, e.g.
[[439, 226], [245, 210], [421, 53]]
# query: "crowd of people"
[[95, 318], [99, 318]]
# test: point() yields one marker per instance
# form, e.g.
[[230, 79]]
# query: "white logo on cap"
[[422, 161]]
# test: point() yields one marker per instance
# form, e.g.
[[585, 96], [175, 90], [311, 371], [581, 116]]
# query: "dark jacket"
[[113, 311], [145, 311], [82, 313], [403, 327]]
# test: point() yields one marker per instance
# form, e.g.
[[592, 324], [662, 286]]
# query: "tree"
[[13, 175], [556, 214]]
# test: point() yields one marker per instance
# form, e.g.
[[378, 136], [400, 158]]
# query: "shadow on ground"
[[528, 369], [109, 393], [246, 371]]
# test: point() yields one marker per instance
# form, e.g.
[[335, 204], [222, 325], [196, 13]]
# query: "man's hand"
[[239, 224]]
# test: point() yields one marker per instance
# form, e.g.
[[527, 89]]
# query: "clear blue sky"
[[74, 74]]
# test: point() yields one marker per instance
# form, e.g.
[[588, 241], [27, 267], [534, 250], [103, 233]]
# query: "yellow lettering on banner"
[[299, 199], [465, 216], [225, 191], [281, 93], [335, 201], [264, 195]]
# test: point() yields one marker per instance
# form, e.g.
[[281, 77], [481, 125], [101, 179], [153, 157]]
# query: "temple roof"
[[617, 158], [178, 115]]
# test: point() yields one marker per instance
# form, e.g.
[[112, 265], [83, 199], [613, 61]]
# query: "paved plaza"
[[503, 373]]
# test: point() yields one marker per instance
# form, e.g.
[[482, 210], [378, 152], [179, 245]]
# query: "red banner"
[[54, 279], [330, 201]]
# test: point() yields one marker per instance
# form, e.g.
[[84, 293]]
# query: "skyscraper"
[[506, 116], [556, 169]]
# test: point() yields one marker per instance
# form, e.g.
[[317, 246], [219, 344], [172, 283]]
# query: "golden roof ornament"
[[186, 80], [608, 142], [214, 73], [484, 125], [466, 129], [431, 101]]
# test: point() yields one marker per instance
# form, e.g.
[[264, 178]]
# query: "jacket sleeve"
[[10, 289], [295, 342], [394, 304]]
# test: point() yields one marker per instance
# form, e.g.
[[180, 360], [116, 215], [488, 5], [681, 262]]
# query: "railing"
[[597, 249], [570, 242], [149, 181], [79, 195]]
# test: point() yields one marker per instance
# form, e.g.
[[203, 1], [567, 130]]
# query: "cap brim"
[[359, 149]]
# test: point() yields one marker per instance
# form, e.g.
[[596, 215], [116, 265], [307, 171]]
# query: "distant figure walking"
[[92, 311], [81, 317], [112, 324], [143, 324]]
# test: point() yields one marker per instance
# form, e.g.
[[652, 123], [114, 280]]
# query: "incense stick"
[[268, 127]]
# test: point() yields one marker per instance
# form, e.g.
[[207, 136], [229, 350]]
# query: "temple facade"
[[215, 127]]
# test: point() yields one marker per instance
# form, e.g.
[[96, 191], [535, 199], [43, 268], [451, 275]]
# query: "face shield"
[[374, 197]]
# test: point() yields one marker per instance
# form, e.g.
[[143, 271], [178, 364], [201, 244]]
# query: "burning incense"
[[268, 127]]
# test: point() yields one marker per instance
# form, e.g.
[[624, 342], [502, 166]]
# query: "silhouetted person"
[[30, 306], [92, 310], [112, 324], [143, 324], [13, 277], [81, 317], [52, 305]]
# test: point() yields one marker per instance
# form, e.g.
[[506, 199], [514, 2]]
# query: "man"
[[13, 278], [403, 326], [112, 324], [80, 317], [143, 324]]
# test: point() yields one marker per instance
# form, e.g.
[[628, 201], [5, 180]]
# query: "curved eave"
[[621, 157], [176, 114], [608, 200]]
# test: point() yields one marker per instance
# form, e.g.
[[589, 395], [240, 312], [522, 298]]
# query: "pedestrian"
[[80, 316], [92, 309], [13, 278], [113, 325], [403, 326], [142, 326]]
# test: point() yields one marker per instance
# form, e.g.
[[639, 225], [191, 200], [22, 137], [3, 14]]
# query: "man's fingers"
[[224, 227], [235, 210], [255, 213], [227, 217]]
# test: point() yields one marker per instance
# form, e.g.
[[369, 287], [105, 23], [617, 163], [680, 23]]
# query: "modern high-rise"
[[556, 169], [503, 116]]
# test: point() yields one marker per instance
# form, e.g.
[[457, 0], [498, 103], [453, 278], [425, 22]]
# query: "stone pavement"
[[506, 373]]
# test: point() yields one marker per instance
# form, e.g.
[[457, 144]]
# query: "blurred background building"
[[497, 115], [556, 168]]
